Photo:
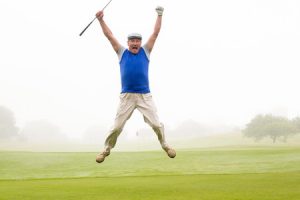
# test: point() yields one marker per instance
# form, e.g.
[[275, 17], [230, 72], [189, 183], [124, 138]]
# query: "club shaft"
[[93, 20], [87, 26], [106, 5]]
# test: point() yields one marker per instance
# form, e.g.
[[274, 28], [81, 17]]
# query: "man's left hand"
[[159, 10]]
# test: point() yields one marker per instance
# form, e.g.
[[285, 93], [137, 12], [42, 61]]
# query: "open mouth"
[[135, 48]]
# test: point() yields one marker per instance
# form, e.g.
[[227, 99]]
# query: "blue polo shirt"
[[134, 71]]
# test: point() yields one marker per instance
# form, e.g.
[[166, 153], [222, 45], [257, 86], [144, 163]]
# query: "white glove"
[[159, 10]]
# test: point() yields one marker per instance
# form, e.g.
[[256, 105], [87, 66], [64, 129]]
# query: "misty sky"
[[215, 61]]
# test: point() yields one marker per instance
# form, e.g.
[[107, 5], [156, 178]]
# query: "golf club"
[[93, 19]]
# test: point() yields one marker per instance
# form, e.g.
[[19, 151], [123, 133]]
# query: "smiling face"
[[134, 45]]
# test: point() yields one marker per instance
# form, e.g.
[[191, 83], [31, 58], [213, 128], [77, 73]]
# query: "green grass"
[[200, 174]]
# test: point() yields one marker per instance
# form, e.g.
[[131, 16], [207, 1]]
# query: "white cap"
[[134, 36]]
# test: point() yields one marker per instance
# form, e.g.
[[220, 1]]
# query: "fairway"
[[223, 173]]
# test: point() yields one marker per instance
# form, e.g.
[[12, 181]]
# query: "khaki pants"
[[128, 103]]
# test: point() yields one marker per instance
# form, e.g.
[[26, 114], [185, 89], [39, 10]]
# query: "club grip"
[[87, 26]]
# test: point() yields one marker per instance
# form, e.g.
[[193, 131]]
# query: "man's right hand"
[[159, 10], [100, 15]]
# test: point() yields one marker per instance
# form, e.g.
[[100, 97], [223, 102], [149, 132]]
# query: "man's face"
[[134, 45]]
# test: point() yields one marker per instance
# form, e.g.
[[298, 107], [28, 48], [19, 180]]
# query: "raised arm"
[[107, 32], [151, 41]]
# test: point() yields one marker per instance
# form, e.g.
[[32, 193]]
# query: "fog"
[[45, 137], [215, 65]]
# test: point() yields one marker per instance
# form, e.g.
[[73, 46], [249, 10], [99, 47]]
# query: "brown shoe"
[[171, 152], [101, 156]]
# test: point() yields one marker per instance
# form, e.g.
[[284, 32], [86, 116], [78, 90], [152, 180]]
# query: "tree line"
[[261, 126], [35, 130], [274, 127]]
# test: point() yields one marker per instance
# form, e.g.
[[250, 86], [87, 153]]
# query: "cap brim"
[[134, 37]]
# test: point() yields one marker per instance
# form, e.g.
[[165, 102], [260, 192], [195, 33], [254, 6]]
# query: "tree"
[[296, 122], [8, 127], [270, 126], [42, 131]]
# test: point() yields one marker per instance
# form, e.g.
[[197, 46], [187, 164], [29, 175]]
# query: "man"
[[135, 94]]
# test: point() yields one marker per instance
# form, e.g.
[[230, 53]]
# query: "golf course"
[[224, 173]]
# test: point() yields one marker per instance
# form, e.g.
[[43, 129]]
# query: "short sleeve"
[[146, 51], [120, 52]]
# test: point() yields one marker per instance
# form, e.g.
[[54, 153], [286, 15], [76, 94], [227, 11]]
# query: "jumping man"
[[135, 94]]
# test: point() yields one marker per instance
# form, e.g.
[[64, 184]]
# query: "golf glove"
[[159, 10]]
